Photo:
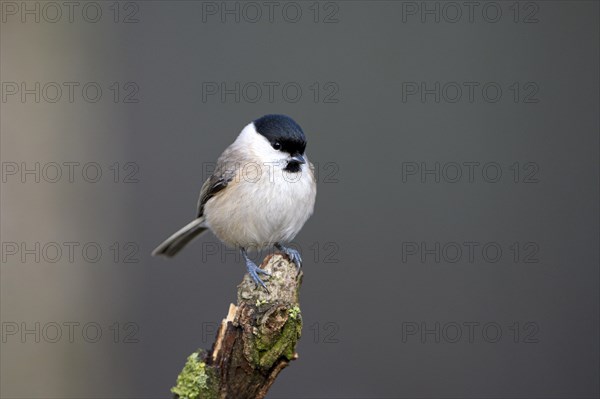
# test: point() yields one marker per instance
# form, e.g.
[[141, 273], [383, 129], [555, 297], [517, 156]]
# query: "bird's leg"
[[292, 254], [254, 270]]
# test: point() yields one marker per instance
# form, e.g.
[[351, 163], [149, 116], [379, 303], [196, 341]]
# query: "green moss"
[[196, 380], [294, 312], [260, 302], [284, 345]]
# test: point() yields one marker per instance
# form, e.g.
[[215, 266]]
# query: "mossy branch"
[[254, 343]]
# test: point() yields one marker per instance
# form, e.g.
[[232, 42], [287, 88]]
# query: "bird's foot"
[[292, 254], [254, 271]]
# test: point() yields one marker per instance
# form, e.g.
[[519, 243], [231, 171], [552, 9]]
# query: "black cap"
[[283, 130]]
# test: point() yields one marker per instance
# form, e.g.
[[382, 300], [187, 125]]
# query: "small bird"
[[260, 195]]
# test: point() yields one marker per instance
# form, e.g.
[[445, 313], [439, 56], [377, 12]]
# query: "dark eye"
[[277, 145]]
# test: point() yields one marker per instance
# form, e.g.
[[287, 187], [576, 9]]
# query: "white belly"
[[256, 212]]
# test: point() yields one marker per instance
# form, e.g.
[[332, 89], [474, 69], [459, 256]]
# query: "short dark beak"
[[298, 159]]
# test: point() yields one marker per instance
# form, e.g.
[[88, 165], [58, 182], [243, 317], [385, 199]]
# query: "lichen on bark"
[[196, 380], [255, 342]]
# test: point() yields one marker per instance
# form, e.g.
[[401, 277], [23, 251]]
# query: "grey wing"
[[211, 186], [215, 183]]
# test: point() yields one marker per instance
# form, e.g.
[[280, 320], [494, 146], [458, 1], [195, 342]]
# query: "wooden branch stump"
[[255, 341]]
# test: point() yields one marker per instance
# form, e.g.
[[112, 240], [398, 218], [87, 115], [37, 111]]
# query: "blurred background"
[[454, 247]]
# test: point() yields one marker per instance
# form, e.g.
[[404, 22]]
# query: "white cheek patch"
[[259, 148]]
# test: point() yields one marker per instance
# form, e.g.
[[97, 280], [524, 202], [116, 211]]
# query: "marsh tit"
[[260, 195]]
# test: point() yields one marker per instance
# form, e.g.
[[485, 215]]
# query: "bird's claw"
[[254, 271], [292, 254]]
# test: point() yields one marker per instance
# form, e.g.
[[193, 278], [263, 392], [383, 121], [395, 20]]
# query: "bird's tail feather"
[[177, 241]]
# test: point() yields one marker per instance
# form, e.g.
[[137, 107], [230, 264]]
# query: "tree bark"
[[255, 341]]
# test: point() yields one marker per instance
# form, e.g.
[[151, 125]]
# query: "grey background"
[[364, 212]]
